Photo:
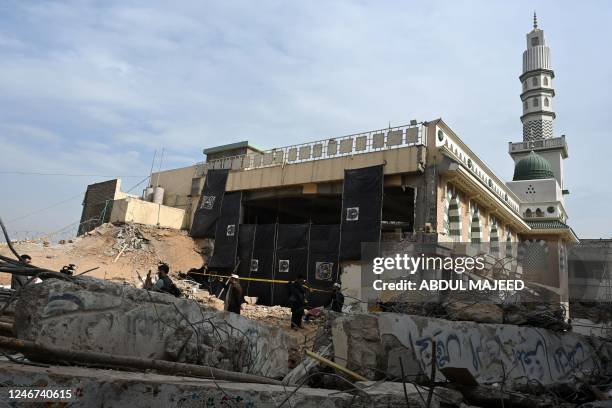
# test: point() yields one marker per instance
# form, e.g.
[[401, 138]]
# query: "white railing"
[[359, 143], [537, 144]]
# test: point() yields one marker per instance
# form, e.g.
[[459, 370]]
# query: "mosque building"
[[306, 209]]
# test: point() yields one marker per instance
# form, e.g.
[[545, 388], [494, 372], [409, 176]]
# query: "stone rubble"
[[89, 314], [94, 315]]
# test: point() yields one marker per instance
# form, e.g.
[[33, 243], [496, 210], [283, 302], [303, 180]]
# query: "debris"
[[47, 353], [127, 321], [489, 396], [336, 366], [115, 388], [302, 370], [474, 312], [130, 238], [597, 404], [411, 396], [515, 356], [120, 252], [459, 375]]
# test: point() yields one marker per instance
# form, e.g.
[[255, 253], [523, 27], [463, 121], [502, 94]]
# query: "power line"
[[32, 173], [65, 201], [45, 208]]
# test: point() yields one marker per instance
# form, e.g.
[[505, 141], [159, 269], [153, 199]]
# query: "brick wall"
[[98, 203]]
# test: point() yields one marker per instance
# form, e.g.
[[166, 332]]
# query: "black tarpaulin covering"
[[262, 263], [209, 206], [226, 234], [361, 210], [322, 262], [290, 260], [246, 241]]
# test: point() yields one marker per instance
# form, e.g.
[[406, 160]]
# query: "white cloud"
[[97, 86]]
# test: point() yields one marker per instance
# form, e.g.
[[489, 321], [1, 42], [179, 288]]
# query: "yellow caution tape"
[[254, 279]]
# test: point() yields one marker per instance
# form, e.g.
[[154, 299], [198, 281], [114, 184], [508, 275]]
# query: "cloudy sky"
[[94, 87]]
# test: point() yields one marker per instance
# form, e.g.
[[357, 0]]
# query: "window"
[[535, 102], [545, 81], [525, 105], [535, 41], [546, 102], [534, 81], [539, 213], [528, 213], [524, 85]]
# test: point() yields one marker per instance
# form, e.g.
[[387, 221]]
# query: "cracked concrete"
[[372, 344], [112, 388], [94, 315]]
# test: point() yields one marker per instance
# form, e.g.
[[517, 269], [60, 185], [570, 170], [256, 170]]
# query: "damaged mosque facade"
[[272, 215]]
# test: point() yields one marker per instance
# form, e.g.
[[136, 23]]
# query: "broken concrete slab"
[[397, 394], [112, 388], [96, 387], [301, 372], [597, 404], [490, 396], [474, 312], [372, 344], [89, 314]]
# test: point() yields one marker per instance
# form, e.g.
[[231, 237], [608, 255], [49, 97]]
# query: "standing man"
[[234, 298], [337, 298], [17, 281], [297, 301]]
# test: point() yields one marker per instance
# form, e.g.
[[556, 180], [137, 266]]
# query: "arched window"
[[546, 102], [545, 81], [539, 213], [528, 213], [534, 81], [525, 105], [535, 102]]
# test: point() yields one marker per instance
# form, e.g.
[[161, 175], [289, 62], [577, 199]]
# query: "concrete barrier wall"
[[144, 212], [373, 344], [95, 315]]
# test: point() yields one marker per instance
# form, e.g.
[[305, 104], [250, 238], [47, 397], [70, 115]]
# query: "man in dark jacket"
[[234, 297], [164, 283], [297, 301], [337, 299]]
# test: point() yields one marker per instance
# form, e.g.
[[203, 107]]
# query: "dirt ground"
[[101, 247], [122, 253]]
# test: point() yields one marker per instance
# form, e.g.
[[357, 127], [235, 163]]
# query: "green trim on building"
[[552, 224]]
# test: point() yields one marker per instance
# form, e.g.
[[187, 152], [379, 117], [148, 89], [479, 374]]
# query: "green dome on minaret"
[[532, 167]]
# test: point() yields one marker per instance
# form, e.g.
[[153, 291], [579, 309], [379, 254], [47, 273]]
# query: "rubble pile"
[[122, 345], [360, 359], [87, 314], [129, 238], [461, 307]]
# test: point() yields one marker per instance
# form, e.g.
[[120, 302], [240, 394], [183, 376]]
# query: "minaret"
[[538, 93], [538, 115]]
